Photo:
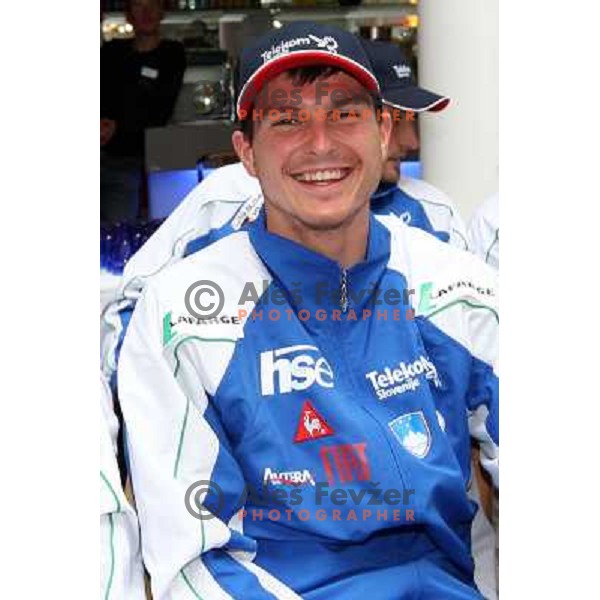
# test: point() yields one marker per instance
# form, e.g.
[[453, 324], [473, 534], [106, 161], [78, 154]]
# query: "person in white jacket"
[[484, 231], [419, 203]]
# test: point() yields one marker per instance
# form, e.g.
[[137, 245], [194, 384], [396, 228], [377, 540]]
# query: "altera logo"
[[294, 478]]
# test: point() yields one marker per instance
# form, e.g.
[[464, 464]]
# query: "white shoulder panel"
[[208, 276], [208, 206], [454, 289]]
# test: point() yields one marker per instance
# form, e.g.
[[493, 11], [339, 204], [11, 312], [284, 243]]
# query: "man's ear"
[[385, 130], [243, 148]]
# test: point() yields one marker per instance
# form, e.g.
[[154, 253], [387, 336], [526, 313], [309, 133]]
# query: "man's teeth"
[[325, 175]]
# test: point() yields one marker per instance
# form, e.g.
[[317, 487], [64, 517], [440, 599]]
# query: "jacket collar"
[[311, 280], [386, 193]]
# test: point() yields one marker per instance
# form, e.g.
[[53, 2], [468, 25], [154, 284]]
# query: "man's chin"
[[322, 225], [328, 220]]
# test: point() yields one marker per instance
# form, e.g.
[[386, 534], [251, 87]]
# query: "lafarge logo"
[[293, 369], [326, 43], [406, 377]]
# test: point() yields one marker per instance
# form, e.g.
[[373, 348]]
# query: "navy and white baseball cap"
[[398, 87], [301, 44]]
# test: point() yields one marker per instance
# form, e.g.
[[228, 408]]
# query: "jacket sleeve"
[[468, 313], [177, 447], [165, 246], [483, 390], [121, 570], [457, 304]]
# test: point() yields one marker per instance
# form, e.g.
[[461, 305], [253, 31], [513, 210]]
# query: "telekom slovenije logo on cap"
[[325, 43]]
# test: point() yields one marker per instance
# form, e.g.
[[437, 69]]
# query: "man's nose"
[[319, 135], [410, 139]]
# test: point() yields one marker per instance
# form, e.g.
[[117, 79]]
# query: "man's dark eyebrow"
[[279, 108], [359, 101], [353, 101]]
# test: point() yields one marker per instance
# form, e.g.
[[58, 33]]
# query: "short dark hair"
[[301, 76]]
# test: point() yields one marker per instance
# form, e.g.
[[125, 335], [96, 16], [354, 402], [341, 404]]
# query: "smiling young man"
[[214, 207], [317, 163], [331, 453]]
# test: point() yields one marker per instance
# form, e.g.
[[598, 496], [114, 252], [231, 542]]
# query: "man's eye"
[[286, 121], [343, 115]]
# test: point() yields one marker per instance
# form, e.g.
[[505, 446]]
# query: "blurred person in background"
[[417, 202], [484, 232], [140, 79]]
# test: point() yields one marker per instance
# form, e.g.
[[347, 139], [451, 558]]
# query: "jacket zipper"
[[344, 291]]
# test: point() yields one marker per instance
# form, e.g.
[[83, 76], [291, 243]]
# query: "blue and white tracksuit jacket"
[[307, 411]]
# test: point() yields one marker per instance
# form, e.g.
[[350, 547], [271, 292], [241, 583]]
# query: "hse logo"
[[312, 425], [406, 377], [293, 478], [327, 43], [345, 463], [293, 369]]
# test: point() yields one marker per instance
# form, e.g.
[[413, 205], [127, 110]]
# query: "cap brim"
[[415, 99], [301, 58]]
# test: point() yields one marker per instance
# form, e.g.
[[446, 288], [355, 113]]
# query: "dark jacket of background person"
[[138, 90]]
